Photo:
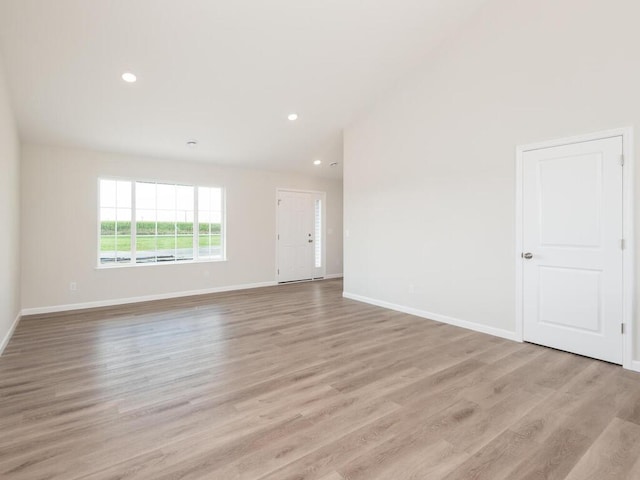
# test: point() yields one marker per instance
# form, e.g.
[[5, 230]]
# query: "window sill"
[[158, 264]]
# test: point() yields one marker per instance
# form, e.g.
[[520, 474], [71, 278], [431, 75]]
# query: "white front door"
[[296, 236], [572, 253]]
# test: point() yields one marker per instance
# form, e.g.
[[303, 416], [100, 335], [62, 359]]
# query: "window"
[[164, 222], [115, 221], [160, 225], [210, 222]]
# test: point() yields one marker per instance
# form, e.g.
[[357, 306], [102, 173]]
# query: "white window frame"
[[196, 225]]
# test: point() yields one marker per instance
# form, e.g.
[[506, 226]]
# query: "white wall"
[[59, 227], [9, 215], [430, 169]]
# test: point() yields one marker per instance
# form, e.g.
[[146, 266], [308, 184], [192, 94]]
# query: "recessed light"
[[293, 117], [317, 162], [333, 164], [192, 144], [129, 77]]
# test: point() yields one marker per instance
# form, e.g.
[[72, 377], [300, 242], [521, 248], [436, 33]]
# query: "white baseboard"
[[333, 275], [497, 332], [7, 337], [635, 366], [144, 298]]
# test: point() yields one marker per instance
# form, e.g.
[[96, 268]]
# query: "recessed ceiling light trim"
[[292, 117], [129, 77], [317, 162], [192, 143]]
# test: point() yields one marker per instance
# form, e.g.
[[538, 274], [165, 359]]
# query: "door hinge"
[[622, 160], [278, 271], [622, 328], [279, 200], [278, 236], [622, 244]]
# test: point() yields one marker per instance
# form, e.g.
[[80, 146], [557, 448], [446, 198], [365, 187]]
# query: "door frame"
[[323, 198], [628, 253]]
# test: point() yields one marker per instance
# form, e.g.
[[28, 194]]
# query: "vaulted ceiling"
[[224, 73]]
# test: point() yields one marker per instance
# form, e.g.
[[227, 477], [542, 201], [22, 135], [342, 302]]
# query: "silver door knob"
[[310, 241], [527, 256]]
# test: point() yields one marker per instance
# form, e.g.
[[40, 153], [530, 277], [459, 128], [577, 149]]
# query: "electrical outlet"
[[73, 286]]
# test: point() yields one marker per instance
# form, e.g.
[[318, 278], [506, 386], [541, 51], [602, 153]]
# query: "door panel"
[[571, 298], [572, 226], [571, 217]]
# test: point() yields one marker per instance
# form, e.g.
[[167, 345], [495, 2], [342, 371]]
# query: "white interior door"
[[296, 236], [572, 253]]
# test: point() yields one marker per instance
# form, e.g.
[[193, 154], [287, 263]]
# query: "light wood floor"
[[295, 382]]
